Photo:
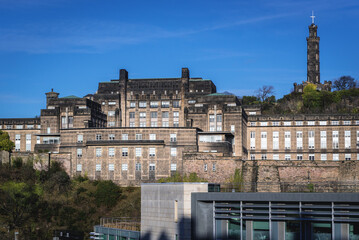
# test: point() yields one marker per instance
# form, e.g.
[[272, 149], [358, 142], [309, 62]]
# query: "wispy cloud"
[[97, 36]]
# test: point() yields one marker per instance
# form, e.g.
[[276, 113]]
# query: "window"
[[346, 122], [98, 167], [176, 104], [299, 123], [252, 124], [205, 167], [111, 113], [132, 104], [152, 136], [347, 139], [322, 123], [335, 157], [79, 152], [213, 167], [335, 139], [173, 137], [138, 167], [219, 122], [275, 123], [311, 139], [299, 140], [253, 140], [275, 140], [111, 152], [142, 119], [152, 167], [358, 140], [311, 123], [8, 126], [142, 104], [264, 123], [28, 142], [335, 122], [253, 157], [124, 136], [165, 104], [323, 157], [30, 126], [132, 124], [111, 137], [252, 113], [142, 115], [138, 136], [63, 122], [173, 152], [175, 119], [124, 167], [323, 139], [287, 123], [98, 152], [154, 104], [233, 128], [275, 156], [48, 130], [299, 157], [110, 124], [173, 166], [138, 152], [191, 101], [111, 167], [263, 140], [165, 114], [264, 156], [17, 142], [152, 152], [311, 157], [79, 168], [211, 123], [124, 152], [287, 157], [38, 140], [98, 137], [80, 138], [112, 103]]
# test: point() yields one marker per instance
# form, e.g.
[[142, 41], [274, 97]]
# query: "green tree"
[[107, 193], [311, 97], [5, 143]]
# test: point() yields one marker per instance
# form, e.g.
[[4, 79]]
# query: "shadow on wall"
[[183, 232]]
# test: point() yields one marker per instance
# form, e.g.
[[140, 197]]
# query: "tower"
[[313, 67]]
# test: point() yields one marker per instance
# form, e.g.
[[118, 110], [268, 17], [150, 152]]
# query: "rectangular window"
[[98, 167], [205, 167], [38, 141], [98, 137], [233, 128], [28, 142], [138, 152], [152, 167], [275, 156], [152, 136], [212, 123], [173, 152], [132, 124], [335, 122], [142, 104], [311, 157], [165, 104], [71, 122], [311, 139], [335, 139], [335, 157], [110, 124], [299, 140], [98, 152], [165, 123], [138, 166], [287, 140], [80, 138], [138, 136], [275, 140], [152, 152], [132, 104], [111, 113], [219, 122], [124, 167], [8, 126], [111, 167], [348, 156], [124, 136], [142, 115], [165, 114], [264, 123], [112, 103], [311, 123], [176, 104], [322, 123], [17, 142], [19, 126], [253, 140], [358, 140], [213, 167], [264, 156], [79, 168], [263, 140], [287, 123], [252, 124], [299, 157], [275, 123], [64, 122], [346, 122], [173, 167], [253, 157], [323, 157], [323, 139], [124, 152], [111, 137], [173, 137], [154, 104], [347, 139], [111, 152], [48, 130], [30, 126], [79, 152], [153, 115], [287, 157], [299, 123]]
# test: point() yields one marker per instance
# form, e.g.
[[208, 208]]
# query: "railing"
[[331, 186], [131, 224]]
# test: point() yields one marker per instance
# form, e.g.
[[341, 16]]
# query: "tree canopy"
[[5, 143], [344, 83]]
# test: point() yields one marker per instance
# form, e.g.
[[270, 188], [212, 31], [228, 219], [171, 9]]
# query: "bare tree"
[[344, 82], [264, 92]]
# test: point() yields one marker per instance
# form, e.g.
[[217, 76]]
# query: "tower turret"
[[313, 64]]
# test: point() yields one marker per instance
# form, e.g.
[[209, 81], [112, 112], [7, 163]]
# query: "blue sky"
[[71, 45]]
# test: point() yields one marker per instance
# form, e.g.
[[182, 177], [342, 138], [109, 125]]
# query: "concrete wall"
[[158, 209]]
